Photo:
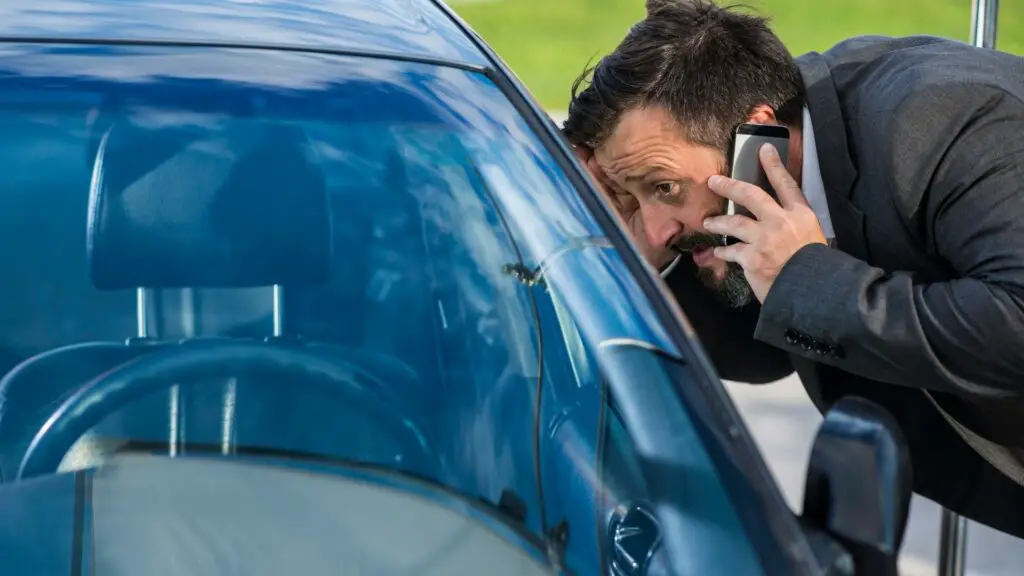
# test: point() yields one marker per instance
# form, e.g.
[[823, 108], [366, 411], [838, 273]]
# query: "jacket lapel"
[[838, 172]]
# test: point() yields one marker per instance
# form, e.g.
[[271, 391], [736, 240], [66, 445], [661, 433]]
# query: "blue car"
[[315, 287]]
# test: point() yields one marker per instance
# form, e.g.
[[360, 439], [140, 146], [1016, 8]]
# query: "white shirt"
[[812, 185]]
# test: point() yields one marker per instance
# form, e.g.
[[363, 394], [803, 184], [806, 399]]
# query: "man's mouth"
[[702, 255], [700, 246]]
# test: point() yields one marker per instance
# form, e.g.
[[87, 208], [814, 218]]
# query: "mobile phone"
[[745, 163]]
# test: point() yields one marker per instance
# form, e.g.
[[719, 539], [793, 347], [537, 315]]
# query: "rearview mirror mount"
[[858, 484]]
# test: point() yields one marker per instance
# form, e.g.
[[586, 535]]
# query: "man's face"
[[658, 182]]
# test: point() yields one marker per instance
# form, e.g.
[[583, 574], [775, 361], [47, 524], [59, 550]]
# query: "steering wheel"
[[206, 361]]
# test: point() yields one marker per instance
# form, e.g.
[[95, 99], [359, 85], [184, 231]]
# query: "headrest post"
[[175, 418], [278, 310], [174, 415], [188, 313], [141, 313]]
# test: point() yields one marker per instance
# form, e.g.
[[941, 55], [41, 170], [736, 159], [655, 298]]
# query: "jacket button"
[[791, 336], [806, 342], [821, 348]]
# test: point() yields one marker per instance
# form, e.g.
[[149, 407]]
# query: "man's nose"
[[659, 226]]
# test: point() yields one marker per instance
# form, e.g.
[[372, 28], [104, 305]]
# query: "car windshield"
[[343, 216], [289, 257]]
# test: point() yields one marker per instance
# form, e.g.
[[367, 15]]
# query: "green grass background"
[[548, 42]]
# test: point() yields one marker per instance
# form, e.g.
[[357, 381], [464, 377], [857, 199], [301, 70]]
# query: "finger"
[[736, 225], [732, 253], [782, 181], [754, 199]]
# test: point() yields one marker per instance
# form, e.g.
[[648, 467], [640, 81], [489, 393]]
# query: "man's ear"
[[762, 114]]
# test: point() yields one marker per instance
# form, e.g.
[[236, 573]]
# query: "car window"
[[344, 205]]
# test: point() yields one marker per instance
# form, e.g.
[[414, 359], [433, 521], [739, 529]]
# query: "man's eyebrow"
[[643, 175]]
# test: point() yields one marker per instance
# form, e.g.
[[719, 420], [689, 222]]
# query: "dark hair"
[[708, 66]]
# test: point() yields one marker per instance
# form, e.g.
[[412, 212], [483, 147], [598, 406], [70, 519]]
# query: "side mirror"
[[858, 484]]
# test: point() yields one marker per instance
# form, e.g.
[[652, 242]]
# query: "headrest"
[[239, 205]]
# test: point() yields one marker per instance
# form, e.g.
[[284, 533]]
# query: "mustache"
[[695, 241]]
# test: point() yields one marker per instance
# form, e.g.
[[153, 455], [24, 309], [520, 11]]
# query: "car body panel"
[[411, 28]]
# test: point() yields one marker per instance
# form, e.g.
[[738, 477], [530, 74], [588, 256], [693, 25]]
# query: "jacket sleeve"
[[727, 334], [964, 335]]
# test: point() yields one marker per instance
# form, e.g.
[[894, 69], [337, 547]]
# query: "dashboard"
[[161, 516]]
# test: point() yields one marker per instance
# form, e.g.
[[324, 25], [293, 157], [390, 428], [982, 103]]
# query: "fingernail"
[[707, 222], [770, 150], [715, 180]]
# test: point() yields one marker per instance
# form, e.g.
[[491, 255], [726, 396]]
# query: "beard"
[[732, 288]]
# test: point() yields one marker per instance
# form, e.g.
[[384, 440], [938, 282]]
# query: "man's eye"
[[665, 189]]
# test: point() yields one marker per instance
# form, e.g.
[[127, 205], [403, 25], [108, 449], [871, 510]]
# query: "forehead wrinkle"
[[631, 159], [643, 163], [637, 143]]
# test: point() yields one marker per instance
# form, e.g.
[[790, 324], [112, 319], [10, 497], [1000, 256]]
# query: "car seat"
[[174, 209]]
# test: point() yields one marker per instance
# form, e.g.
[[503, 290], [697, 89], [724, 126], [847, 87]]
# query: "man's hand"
[[767, 243], [628, 208]]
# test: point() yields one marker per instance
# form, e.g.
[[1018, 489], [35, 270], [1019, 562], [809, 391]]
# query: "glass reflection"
[[409, 157], [410, 27], [593, 283]]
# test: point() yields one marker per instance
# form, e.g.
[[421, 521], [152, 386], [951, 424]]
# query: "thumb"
[[782, 181]]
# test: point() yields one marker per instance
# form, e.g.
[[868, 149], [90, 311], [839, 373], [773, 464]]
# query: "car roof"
[[417, 29]]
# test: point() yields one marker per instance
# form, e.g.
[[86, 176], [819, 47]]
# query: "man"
[[892, 265]]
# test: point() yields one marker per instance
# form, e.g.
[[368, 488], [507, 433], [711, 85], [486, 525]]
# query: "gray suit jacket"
[[921, 147]]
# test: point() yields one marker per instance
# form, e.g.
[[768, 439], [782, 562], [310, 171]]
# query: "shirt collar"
[[813, 187]]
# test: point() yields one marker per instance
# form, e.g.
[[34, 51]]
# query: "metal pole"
[[953, 544], [953, 533], [984, 17]]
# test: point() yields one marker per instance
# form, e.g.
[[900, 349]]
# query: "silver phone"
[[745, 163]]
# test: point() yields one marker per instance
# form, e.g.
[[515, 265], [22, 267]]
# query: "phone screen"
[[745, 164]]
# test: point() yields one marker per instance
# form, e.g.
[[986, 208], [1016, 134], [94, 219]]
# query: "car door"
[[591, 479], [568, 435], [703, 506], [593, 476]]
